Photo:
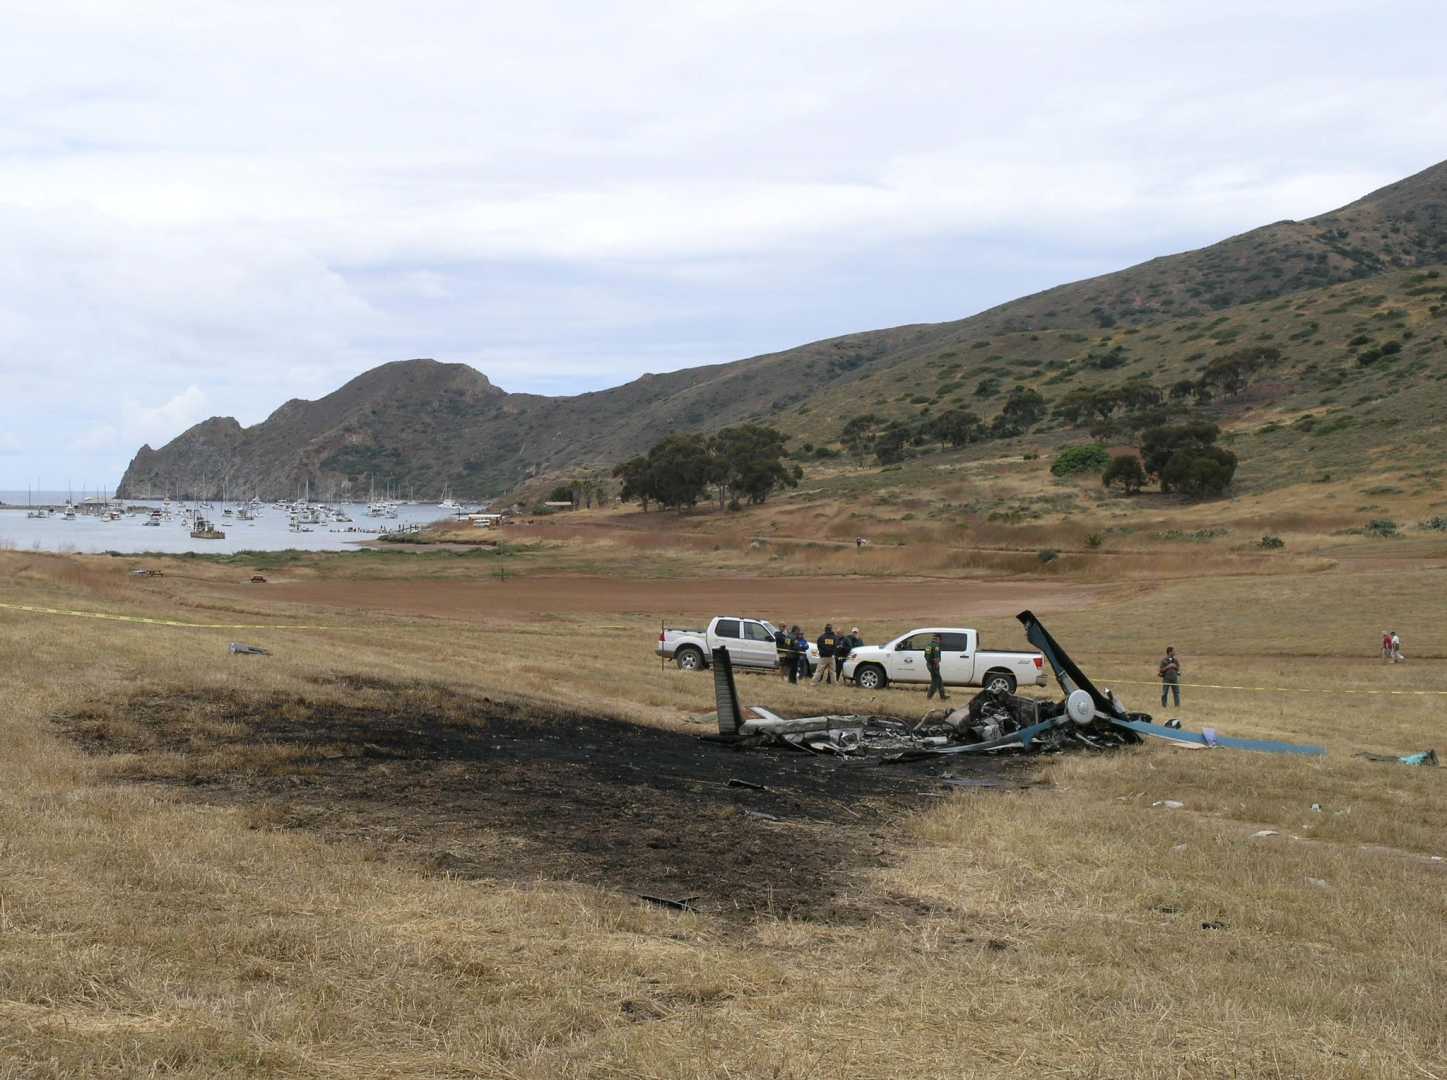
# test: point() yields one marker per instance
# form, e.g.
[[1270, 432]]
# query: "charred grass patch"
[[481, 788]]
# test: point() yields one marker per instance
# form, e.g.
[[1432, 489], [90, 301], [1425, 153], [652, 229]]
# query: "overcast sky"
[[209, 208]]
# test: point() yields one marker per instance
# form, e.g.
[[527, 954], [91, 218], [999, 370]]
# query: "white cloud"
[[257, 201]]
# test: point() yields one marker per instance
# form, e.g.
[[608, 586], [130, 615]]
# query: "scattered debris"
[[1320, 883], [993, 720], [1214, 924], [1316, 808], [257, 579], [147, 573], [236, 648], [684, 904], [1264, 833], [1426, 757], [736, 782], [1169, 804]]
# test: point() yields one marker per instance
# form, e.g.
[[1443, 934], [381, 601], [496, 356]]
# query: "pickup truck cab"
[[750, 643], [962, 662]]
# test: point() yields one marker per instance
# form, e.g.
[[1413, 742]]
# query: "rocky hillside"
[[425, 426]]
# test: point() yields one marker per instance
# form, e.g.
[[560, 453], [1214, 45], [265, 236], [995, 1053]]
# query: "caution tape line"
[[108, 617], [1282, 689]]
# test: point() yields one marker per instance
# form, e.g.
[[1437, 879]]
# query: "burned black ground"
[[481, 788]]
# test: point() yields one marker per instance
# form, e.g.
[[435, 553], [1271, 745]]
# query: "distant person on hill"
[[1397, 656], [828, 642], [932, 664], [1169, 670], [1386, 644]]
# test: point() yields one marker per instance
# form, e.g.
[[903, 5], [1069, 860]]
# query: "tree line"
[[738, 464]]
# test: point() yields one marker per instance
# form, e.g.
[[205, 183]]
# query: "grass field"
[[186, 890]]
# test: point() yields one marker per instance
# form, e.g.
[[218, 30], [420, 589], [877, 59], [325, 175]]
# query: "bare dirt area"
[[857, 598], [477, 788]]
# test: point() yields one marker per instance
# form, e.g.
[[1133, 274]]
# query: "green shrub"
[[1381, 527], [1092, 457], [1271, 543], [1048, 555]]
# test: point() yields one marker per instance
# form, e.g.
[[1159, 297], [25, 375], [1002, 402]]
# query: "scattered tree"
[[859, 434], [1199, 472], [1126, 471], [958, 427]]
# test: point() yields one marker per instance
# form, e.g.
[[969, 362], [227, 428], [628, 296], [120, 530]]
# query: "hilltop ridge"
[[427, 425]]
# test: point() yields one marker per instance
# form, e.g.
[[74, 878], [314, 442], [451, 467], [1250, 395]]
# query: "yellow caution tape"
[[37, 610], [1280, 689]]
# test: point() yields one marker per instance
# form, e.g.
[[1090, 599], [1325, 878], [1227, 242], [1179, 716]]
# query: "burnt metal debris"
[[993, 721]]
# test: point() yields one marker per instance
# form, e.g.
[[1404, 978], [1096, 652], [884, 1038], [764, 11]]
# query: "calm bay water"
[[271, 531]]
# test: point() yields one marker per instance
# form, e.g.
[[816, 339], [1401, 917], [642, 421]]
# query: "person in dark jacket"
[[846, 644], [828, 642], [784, 646]]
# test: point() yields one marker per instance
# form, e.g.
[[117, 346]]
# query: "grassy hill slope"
[[1324, 291]]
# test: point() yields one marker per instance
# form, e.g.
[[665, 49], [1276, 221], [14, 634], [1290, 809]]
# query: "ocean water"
[[271, 531]]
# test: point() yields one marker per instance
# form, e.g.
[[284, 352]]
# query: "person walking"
[[828, 642], [1386, 645], [1169, 670], [1397, 656], [783, 645], [932, 664]]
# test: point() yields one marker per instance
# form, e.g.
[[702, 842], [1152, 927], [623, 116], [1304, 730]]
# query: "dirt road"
[[852, 599]]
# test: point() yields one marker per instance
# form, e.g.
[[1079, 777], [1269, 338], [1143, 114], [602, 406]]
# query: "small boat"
[[204, 530]]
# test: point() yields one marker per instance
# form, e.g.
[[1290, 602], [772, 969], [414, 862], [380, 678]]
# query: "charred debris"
[[992, 722]]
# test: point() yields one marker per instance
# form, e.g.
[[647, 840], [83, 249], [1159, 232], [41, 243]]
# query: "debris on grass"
[[994, 720]]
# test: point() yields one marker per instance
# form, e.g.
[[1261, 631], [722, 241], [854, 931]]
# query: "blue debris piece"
[[1192, 738]]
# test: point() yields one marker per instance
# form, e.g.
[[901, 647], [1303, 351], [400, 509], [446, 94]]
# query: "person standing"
[[1397, 656], [784, 646], [801, 654], [846, 644], [828, 642], [1169, 670], [932, 664], [1386, 645]]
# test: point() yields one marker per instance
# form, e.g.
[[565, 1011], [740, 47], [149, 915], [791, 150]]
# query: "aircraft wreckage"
[[993, 721]]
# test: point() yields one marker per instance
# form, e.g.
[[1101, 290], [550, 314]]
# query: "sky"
[[209, 209]]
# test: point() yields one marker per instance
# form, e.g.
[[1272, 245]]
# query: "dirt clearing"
[[858, 599], [479, 788]]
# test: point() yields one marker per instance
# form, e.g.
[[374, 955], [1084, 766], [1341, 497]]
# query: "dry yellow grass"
[[1059, 929]]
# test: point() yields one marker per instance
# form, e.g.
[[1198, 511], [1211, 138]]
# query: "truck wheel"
[[1000, 681], [870, 677], [689, 659]]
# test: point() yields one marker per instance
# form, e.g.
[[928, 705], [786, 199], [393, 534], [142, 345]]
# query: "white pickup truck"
[[750, 643], [962, 662]]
